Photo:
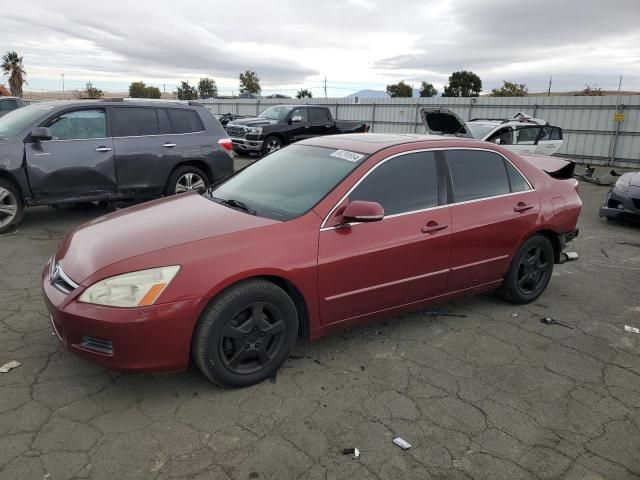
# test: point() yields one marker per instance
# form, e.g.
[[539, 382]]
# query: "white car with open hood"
[[522, 133]]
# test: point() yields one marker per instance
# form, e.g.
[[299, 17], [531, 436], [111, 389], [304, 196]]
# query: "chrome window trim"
[[129, 136], [435, 149]]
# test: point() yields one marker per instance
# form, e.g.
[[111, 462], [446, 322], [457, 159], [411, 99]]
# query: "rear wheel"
[[11, 206], [185, 179], [530, 271], [271, 144], [245, 334]]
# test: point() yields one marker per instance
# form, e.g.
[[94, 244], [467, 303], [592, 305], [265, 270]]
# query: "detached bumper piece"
[[564, 239]]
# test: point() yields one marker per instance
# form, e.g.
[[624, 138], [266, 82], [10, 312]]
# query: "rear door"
[[525, 138], [321, 123], [550, 140], [77, 162], [145, 149], [372, 267], [493, 206]]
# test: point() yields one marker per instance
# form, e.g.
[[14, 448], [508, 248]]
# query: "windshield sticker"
[[347, 155]]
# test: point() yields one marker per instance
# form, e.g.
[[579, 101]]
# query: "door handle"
[[522, 207], [432, 227], [168, 145], [328, 126], [103, 149]]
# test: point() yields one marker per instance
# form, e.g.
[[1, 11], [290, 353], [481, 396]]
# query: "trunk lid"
[[559, 168]]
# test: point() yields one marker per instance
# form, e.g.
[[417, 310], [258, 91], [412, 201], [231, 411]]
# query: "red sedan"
[[329, 232]]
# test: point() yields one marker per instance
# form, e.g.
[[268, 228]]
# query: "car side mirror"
[[497, 141], [41, 133], [296, 119], [360, 211]]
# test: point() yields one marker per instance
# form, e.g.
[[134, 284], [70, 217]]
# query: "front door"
[[300, 129], [493, 205], [77, 162], [372, 267]]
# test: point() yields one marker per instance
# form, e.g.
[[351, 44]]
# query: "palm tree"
[[12, 67]]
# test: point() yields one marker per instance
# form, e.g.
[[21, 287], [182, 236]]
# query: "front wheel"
[[11, 206], [186, 179], [530, 271], [245, 334], [271, 144]]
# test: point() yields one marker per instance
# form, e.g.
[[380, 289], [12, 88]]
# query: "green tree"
[[590, 91], [463, 84], [428, 90], [400, 90], [140, 90], [250, 83], [187, 92], [510, 89], [90, 92], [207, 88], [304, 93], [12, 68]]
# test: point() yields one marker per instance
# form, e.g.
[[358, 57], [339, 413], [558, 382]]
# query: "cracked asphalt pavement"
[[493, 395]]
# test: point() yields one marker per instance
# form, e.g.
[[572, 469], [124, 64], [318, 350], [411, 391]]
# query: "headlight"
[[255, 130], [134, 289], [622, 185]]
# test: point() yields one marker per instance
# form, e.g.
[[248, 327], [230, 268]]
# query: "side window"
[[163, 121], [79, 125], [318, 115], [505, 135], [185, 121], [516, 180], [8, 105], [476, 174], [556, 133], [526, 135], [300, 112], [403, 184], [134, 121]]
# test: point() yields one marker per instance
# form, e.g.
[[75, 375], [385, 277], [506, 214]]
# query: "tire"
[[232, 349], [271, 144], [530, 271], [11, 206], [186, 178]]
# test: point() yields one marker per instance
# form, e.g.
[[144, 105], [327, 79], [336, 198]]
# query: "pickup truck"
[[280, 125]]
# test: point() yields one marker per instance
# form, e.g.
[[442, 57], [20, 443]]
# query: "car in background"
[[8, 104], [623, 200], [327, 233], [521, 133], [281, 125], [105, 150]]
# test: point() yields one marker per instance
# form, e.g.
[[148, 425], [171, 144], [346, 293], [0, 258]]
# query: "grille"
[[97, 345], [236, 132], [59, 280], [636, 203]]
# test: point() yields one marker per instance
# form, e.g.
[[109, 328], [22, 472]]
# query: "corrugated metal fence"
[[591, 135]]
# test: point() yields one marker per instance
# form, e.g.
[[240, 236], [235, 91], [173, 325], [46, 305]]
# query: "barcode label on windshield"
[[347, 155]]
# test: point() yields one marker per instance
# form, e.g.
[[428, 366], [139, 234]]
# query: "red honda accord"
[[329, 232]]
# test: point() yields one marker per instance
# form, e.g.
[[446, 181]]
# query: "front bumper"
[[244, 145], [619, 204], [149, 339]]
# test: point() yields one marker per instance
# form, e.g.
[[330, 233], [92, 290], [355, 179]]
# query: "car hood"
[[442, 121], [251, 122], [635, 179], [146, 228]]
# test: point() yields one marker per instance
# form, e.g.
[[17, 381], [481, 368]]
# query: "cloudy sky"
[[356, 44]]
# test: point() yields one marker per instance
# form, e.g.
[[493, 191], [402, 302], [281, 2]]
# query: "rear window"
[[185, 121], [476, 174], [134, 122]]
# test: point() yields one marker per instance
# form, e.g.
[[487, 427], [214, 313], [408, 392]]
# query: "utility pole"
[[62, 75], [325, 87], [164, 88], [549, 90]]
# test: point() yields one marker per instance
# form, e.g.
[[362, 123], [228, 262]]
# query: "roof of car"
[[369, 143], [120, 102]]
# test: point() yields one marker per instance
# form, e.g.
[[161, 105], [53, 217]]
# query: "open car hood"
[[442, 121]]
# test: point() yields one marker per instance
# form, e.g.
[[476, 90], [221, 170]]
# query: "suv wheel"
[[245, 334], [271, 144], [186, 179], [530, 271], [11, 206]]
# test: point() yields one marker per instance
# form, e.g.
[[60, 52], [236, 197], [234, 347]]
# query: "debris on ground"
[[434, 313], [514, 315], [552, 321], [403, 444], [9, 366], [351, 451], [608, 178], [604, 252], [630, 329]]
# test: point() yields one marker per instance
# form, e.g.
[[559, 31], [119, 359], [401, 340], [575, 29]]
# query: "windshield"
[[479, 130], [276, 113], [289, 182], [16, 121]]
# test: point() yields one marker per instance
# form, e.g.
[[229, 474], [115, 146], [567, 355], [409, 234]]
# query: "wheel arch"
[[4, 175], [197, 164], [554, 238], [279, 135]]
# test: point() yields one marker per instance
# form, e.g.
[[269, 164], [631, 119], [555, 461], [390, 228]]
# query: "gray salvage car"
[[69, 152]]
